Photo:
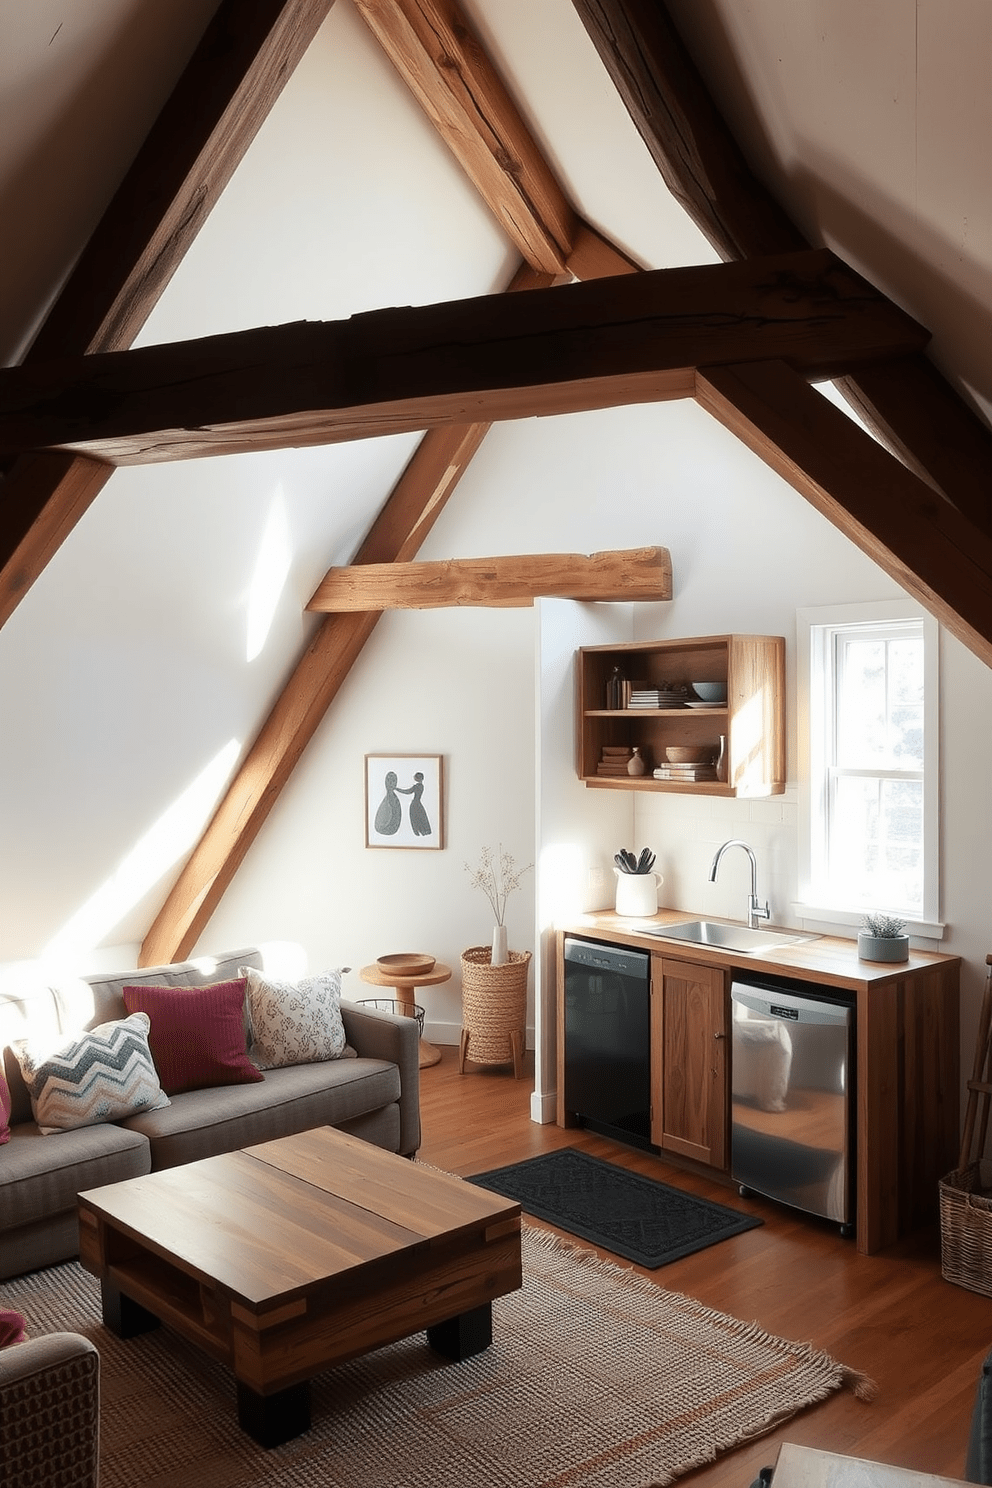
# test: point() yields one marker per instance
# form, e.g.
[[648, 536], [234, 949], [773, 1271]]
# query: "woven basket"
[[494, 1003], [966, 1227]]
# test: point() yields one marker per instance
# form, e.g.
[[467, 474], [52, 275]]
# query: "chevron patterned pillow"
[[103, 1075]]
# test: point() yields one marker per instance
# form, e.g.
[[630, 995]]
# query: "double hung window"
[[869, 768]]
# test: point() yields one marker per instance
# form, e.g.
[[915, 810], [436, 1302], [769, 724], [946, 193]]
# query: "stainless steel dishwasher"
[[792, 1135]]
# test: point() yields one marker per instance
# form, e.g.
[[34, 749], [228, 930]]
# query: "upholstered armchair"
[[50, 1412]]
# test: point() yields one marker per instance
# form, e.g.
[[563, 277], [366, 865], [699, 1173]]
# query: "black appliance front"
[[608, 1039]]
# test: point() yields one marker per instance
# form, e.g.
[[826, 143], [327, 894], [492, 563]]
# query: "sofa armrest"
[[376, 1034], [50, 1411]]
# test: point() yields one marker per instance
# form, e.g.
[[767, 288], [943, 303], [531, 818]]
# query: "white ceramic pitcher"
[[637, 893]]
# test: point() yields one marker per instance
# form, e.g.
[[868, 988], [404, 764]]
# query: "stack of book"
[[614, 759], [685, 772], [664, 695]]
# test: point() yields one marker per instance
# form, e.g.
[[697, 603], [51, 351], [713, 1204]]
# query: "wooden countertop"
[[830, 960]]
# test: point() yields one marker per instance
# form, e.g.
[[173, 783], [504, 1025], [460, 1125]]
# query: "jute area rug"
[[597, 1378]]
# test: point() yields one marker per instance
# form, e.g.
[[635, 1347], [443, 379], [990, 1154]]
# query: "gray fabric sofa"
[[50, 1413], [375, 1096]]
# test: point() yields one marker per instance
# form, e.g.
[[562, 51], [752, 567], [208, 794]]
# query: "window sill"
[[848, 922]]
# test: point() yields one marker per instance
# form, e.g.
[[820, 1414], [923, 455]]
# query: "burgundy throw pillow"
[[197, 1034], [11, 1328], [4, 1107]]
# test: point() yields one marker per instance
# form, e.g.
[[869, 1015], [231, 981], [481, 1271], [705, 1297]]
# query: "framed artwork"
[[403, 801]]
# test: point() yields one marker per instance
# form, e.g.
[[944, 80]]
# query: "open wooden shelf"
[[753, 719]]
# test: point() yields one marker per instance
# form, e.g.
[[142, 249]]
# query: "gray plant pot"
[[883, 947]]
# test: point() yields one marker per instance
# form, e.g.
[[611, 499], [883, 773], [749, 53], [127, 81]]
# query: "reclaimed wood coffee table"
[[291, 1256]]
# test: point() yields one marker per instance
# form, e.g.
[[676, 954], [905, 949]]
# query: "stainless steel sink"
[[726, 937]]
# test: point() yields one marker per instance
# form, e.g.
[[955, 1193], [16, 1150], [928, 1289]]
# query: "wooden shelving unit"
[[753, 719]]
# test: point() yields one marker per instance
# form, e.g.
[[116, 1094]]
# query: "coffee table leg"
[[273, 1419], [468, 1333], [122, 1315]]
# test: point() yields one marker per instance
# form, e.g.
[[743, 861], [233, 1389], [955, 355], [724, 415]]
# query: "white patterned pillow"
[[294, 1022], [86, 1078]]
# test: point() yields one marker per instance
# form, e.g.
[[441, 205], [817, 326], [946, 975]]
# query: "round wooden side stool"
[[494, 1009], [406, 989]]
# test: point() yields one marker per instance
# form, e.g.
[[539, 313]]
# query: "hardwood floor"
[[890, 1316]]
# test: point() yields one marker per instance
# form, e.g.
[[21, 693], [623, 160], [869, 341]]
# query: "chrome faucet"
[[755, 911]]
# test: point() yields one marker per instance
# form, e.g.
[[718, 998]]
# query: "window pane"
[[876, 841], [879, 703]]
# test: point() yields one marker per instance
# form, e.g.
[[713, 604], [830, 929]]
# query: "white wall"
[[747, 552]]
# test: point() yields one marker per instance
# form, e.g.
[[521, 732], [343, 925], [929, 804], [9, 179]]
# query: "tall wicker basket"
[[494, 1008], [966, 1193]]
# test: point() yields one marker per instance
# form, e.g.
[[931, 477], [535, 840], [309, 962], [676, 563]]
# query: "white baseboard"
[[543, 1108], [451, 1033]]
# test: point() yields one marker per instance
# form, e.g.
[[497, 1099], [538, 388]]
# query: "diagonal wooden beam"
[[504, 582], [906, 401], [919, 539], [243, 61], [432, 46], [41, 501], [416, 502], [629, 338], [245, 57]]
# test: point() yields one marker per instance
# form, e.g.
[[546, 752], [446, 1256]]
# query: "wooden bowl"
[[405, 964], [687, 754]]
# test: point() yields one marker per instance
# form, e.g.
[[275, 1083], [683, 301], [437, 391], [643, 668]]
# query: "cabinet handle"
[[719, 1035]]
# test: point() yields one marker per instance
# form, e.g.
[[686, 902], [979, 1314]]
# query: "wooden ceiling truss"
[[924, 516]]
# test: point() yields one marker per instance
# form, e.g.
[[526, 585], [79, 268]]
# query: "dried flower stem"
[[497, 877]]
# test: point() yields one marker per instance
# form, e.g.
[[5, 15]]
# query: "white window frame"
[[813, 626]]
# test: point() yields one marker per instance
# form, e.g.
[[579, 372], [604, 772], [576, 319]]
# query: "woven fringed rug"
[[597, 1378]]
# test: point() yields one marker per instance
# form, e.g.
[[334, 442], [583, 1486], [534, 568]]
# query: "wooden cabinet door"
[[689, 1060]]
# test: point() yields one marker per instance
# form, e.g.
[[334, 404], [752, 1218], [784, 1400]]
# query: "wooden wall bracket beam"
[[507, 581], [906, 401], [920, 540], [629, 338]]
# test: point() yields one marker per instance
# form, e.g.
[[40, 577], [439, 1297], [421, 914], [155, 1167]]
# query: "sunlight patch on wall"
[[169, 839], [269, 579], [562, 876]]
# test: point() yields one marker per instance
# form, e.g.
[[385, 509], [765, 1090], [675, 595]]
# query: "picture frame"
[[404, 801]]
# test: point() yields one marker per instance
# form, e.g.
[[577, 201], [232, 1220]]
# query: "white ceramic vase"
[[499, 956], [637, 893]]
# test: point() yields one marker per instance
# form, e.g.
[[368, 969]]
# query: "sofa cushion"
[[4, 1108], [197, 1034], [91, 1077], [40, 1177], [202, 1123], [11, 1328], [294, 1022]]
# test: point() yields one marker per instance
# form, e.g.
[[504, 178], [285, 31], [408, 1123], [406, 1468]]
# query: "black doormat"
[[647, 1222]]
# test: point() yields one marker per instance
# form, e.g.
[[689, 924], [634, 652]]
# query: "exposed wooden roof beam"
[[240, 66], [922, 541], [510, 581], [242, 63], [907, 402], [432, 46], [626, 339]]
